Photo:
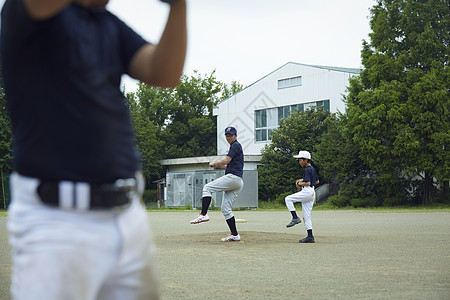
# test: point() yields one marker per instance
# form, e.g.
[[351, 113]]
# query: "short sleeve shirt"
[[62, 82], [310, 175], [236, 165]]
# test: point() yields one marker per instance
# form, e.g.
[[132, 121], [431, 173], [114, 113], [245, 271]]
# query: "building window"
[[325, 104], [289, 82], [261, 118], [261, 135], [267, 120]]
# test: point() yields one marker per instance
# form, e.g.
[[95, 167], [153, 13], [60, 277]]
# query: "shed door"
[[179, 182]]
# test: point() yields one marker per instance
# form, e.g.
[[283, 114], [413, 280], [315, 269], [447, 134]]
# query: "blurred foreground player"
[[76, 224]]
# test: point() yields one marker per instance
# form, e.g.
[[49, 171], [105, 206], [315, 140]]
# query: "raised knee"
[[227, 214], [206, 192]]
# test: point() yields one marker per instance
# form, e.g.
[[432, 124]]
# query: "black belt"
[[98, 196]]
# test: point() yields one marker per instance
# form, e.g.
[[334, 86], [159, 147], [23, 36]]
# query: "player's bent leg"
[[307, 209], [289, 200], [207, 191], [218, 185], [227, 205]]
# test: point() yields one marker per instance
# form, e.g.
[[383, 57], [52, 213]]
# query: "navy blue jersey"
[[62, 82], [236, 165], [310, 175]]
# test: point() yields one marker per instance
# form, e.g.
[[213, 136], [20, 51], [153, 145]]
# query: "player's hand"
[[211, 164], [298, 184]]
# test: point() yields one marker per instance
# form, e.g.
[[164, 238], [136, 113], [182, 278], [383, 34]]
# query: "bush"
[[271, 205], [375, 190], [150, 196], [339, 200], [393, 201], [365, 202], [359, 187], [280, 198]]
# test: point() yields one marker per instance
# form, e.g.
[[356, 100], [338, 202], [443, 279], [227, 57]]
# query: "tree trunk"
[[428, 188]]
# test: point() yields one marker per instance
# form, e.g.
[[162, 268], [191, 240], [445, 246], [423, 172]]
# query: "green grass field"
[[264, 206], [378, 253]]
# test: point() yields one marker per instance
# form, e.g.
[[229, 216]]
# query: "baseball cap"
[[231, 130], [303, 154]]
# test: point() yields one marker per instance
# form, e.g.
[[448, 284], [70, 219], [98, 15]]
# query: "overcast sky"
[[244, 40]]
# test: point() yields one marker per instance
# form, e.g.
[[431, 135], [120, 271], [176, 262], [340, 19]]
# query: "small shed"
[[185, 178]]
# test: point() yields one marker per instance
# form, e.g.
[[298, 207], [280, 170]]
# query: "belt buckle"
[[129, 186], [125, 184]]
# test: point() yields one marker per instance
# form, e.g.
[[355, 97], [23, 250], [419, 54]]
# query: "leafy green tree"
[[189, 125], [5, 145], [300, 131], [5, 135], [230, 90], [398, 108], [340, 159], [177, 122], [149, 146]]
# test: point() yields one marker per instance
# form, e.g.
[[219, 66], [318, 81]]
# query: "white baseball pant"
[[66, 254], [306, 196], [231, 185]]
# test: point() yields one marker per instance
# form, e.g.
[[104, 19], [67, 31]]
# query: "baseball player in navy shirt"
[[76, 224], [306, 196], [231, 184]]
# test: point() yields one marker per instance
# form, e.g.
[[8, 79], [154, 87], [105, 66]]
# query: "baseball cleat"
[[200, 219], [307, 240], [294, 222], [232, 238]]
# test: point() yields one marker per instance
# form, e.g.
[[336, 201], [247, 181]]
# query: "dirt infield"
[[357, 255]]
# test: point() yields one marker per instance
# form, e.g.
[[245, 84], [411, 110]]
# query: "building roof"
[[336, 69], [204, 160]]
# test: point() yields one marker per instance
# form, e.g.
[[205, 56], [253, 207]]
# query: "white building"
[[256, 110]]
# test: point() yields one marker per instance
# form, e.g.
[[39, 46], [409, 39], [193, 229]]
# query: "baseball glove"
[[297, 184]]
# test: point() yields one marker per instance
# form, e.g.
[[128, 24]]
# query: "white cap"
[[303, 154]]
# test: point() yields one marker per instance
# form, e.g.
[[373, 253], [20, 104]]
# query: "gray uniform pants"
[[231, 185]]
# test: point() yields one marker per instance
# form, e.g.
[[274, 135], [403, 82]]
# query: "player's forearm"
[[223, 167], [45, 9], [166, 65], [221, 164]]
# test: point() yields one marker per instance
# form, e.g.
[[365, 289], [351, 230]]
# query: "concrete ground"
[[357, 255]]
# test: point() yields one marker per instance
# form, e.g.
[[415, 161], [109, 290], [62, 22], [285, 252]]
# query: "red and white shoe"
[[200, 219], [232, 238]]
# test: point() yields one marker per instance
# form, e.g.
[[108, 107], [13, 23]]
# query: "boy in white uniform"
[[306, 196]]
